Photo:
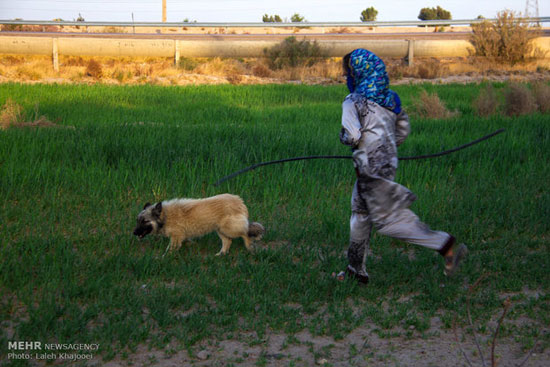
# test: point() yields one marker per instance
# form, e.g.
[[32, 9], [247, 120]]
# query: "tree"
[[369, 14], [426, 14], [443, 14], [271, 18], [297, 18], [434, 13]]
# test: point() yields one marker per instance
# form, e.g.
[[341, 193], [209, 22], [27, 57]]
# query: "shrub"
[[487, 102], [292, 52], [397, 68], [423, 68], [430, 106], [519, 100], [9, 60], [485, 39], [28, 72], [221, 67], [260, 70], [542, 96], [93, 69], [508, 39], [187, 63], [74, 61], [119, 75], [431, 69], [143, 70], [11, 114], [234, 78]]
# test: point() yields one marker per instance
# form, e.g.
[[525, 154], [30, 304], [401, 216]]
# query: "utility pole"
[[532, 9], [164, 11]]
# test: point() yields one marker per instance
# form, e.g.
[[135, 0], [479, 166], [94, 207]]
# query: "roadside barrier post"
[[55, 56], [176, 52], [410, 53]]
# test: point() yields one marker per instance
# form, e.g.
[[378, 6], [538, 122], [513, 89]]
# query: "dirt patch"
[[362, 347], [366, 345]]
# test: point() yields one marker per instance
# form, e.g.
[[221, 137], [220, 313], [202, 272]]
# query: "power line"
[[531, 9]]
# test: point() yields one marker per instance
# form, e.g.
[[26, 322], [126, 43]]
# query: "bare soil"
[[362, 347]]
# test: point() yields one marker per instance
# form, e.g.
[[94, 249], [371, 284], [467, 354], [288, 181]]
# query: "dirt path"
[[362, 347]]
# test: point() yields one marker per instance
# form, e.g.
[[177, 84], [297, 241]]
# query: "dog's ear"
[[146, 205], [157, 210]]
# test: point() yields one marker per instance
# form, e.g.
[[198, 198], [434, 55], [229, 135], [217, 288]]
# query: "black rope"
[[425, 156], [445, 152]]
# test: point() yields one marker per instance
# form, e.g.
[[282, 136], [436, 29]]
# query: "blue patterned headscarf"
[[367, 76]]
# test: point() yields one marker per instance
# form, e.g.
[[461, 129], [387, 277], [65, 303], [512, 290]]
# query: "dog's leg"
[[175, 244], [248, 243], [226, 243]]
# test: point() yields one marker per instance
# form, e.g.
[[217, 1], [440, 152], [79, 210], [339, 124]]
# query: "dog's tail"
[[255, 230]]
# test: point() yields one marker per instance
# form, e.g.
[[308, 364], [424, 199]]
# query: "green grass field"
[[71, 271]]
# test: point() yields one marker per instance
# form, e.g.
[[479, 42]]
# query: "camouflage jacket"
[[371, 126], [374, 133]]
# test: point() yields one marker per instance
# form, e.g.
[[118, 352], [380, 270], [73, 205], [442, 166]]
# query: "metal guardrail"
[[413, 23]]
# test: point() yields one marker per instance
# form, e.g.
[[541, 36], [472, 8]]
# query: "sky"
[[251, 10]]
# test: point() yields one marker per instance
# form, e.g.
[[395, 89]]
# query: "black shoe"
[[361, 278], [351, 273]]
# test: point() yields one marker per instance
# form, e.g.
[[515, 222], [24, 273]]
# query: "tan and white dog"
[[181, 219]]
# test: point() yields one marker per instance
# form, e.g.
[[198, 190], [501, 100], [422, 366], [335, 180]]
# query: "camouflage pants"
[[380, 202]]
